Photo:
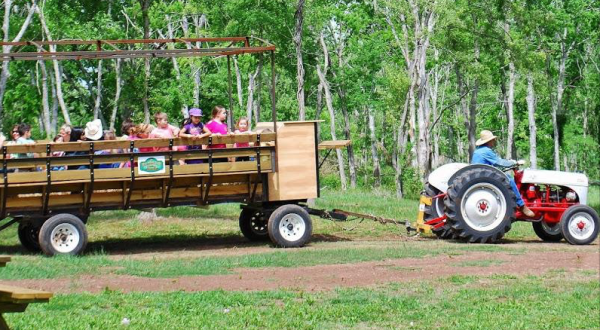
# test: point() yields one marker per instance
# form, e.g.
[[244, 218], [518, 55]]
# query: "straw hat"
[[93, 130], [484, 137]]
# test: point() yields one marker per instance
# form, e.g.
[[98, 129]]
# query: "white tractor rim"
[[483, 207], [292, 227], [439, 206], [551, 230], [65, 238], [581, 225]]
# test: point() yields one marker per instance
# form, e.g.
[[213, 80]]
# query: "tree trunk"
[[299, 16], [259, 89], [57, 70], [329, 103], [98, 92], [251, 88], [401, 148], [54, 105], [45, 104], [532, 127], [171, 34], [145, 4], [238, 80], [5, 73], [374, 154], [510, 101], [113, 116]]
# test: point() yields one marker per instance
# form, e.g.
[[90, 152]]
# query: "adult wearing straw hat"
[[484, 154]]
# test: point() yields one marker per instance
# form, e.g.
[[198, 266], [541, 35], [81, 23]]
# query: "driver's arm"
[[497, 161]]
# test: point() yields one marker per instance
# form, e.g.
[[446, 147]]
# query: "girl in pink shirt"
[[217, 125]]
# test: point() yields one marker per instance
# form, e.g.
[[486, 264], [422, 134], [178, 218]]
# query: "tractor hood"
[[578, 182]]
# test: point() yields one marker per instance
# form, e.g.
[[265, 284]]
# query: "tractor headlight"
[[571, 196]]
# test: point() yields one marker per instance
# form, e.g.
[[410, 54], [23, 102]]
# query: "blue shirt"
[[486, 156]]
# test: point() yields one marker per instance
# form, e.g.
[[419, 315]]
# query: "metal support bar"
[[5, 190], [8, 224], [210, 171], [273, 100], [325, 158], [128, 199], [229, 111], [86, 208], [48, 180], [166, 197], [258, 169]]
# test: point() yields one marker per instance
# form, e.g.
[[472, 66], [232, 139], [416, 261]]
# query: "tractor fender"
[[440, 177]]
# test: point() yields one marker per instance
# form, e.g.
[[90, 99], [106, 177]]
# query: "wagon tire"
[[254, 224], [29, 236], [436, 210], [480, 205], [290, 226], [546, 232], [63, 234], [579, 225]]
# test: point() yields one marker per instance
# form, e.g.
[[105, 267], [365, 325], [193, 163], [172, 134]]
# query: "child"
[[59, 139], [163, 130], [217, 125], [143, 131], [193, 128], [242, 128], [109, 136]]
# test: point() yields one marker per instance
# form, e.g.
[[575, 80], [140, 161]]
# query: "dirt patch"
[[327, 277]]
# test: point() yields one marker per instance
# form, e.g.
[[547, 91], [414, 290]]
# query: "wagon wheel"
[[290, 226], [547, 232], [29, 236], [579, 225], [253, 224], [481, 205], [436, 210], [63, 234]]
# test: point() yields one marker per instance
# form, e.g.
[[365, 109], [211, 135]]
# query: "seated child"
[[193, 128]]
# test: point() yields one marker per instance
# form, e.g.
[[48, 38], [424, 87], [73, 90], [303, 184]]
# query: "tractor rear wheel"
[[579, 225], [547, 232], [480, 205], [436, 210], [63, 234]]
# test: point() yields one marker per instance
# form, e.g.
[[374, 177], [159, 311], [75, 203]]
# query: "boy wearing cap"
[[484, 154], [194, 128]]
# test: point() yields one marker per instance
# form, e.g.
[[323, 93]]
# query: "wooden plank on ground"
[[15, 294]]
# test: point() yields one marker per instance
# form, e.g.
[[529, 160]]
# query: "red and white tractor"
[[476, 203]]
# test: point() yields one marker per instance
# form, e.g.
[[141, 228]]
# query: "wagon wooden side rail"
[[76, 183]]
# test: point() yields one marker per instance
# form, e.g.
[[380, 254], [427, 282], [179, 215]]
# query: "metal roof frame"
[[146, 48]]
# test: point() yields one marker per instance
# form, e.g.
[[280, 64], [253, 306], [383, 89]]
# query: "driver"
[[484, 154]]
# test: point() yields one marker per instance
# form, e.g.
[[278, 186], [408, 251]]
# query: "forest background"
[[411, 83]]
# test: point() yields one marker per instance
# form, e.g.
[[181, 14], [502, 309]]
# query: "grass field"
[[201, 242]]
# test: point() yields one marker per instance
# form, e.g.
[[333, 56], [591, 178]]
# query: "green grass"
[[480, 263], [459, 302]]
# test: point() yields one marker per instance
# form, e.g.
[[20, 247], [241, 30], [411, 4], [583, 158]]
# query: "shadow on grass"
[[168, 244]]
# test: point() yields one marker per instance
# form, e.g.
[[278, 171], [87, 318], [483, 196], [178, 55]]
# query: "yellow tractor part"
[[420, 225]]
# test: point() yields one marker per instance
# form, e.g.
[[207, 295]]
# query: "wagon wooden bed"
[[272, 178]]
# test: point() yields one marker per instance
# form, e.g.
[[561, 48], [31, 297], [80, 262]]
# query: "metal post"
[[230, 112], [273, 101]]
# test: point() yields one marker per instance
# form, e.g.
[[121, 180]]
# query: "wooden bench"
[[15, 300]]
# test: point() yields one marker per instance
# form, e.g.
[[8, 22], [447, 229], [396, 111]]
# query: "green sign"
[[151, 165]]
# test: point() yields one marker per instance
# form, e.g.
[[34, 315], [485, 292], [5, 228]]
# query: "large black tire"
[[579, 225], [254, 224], [480, 205], [436, 210], [29, 236], [290, 226], [546, 232], [63, 234]]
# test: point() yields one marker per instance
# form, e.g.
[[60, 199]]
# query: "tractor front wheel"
[[547, 232], [579, 225]]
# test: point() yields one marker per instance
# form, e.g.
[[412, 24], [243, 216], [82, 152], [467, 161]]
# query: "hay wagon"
[[272, 178]]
